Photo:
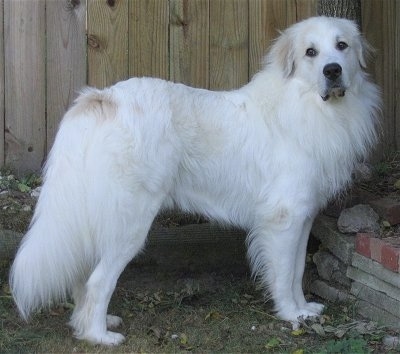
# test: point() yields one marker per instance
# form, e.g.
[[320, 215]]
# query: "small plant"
[[8, 181], [346, 346], [382, 169]]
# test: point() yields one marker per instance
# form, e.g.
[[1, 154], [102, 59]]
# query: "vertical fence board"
[[267, 17], [148, 38], [396, 71], [25, 83], [379, 27], [107, 41], [228, 43], [66, 58], [2, 126], [189, 41], [305, 9], [215, 44]]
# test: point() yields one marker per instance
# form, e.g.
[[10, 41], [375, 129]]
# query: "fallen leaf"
[[214, 315], [298, 351], [273, 343], [298, 332]]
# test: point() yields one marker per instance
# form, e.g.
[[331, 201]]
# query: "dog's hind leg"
[[120, 236]]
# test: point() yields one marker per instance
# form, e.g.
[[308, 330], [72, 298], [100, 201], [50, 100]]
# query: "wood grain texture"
[[66, 58], [148, 38], [396, 71], [2, 125], [24, 44], [305, 9], [189, 38], [378, 24], [266, 19], [107, 23], [217, 44], [228, 44]]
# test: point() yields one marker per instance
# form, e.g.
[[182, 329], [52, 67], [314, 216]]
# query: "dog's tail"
[[59, 249]]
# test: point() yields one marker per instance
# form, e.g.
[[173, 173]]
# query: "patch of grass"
[[180, 311], [347, 346]]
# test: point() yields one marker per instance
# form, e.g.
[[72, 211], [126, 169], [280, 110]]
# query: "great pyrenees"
[[266, 157]]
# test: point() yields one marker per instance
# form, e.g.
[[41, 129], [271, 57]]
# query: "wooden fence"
[[49, 49]]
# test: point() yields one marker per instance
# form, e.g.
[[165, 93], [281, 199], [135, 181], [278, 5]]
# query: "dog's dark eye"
[[341, 45], [311, 52]]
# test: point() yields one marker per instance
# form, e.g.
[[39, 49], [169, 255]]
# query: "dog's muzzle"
[[333, 75]]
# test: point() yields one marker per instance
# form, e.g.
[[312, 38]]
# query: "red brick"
[[388, 209], [390, 257], [376, 245], [363, 244]]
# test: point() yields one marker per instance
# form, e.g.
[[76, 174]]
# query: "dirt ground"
[[171, 305]]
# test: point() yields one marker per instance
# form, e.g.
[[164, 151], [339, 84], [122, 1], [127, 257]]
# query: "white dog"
[[266, 157]]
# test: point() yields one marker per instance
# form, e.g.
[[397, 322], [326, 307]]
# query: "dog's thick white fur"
[[266, 157]]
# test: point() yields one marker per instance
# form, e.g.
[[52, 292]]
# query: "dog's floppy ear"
[[364, 51], [282, 54]]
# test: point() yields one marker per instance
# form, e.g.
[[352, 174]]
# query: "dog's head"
[[324, 52]]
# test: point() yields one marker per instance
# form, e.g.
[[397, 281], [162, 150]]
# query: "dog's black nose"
[[332, 71]]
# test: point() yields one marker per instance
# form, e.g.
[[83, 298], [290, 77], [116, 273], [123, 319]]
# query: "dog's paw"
[[113, 321], [314, 307], [309, 310], [108, 338]]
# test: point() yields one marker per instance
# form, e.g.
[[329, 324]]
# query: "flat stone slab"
[[376, 298], [375, 268], [330, 293], [368, 310], [373, 282]]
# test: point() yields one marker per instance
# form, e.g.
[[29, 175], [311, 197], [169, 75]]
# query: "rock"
[[35, 192], [341, 246], [331, 268], [391, 342], [360, 218], [363, 172]]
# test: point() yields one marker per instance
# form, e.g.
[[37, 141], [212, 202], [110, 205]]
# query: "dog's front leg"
[[298, 293], [277, 254]]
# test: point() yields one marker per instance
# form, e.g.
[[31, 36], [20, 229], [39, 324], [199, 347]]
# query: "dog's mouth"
[[335, 91]]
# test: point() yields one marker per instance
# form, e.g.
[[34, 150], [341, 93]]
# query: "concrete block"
[[372, 267], [342, 246], [375, 297], [373, 282], [330, 293], [368, 310]]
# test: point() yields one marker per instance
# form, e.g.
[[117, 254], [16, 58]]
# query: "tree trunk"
[[350, 9]]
